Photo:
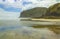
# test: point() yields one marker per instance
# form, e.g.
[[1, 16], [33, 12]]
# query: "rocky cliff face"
[[53, 11], [42, 12], [34, 13]]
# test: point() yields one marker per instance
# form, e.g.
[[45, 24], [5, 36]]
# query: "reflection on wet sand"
[[54, 28], [28, 33], [15, 29]]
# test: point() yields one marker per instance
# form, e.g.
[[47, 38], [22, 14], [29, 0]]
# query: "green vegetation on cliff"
[[34, 13], [53, 11]]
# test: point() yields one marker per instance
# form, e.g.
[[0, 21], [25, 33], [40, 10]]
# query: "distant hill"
[[37, 12], [53, 11]]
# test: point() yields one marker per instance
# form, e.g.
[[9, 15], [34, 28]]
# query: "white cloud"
[[18, 4], [8, 15], [35, 3], [39, 3]]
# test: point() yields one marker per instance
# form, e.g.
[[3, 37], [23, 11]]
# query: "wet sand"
[[16, 29]]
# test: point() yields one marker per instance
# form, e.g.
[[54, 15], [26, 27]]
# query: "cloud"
[[11, 5], [11, 9], [38, 3], [27, 4], [8, 15]]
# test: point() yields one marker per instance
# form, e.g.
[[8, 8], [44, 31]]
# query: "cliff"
[[34, 13], [53, 11]]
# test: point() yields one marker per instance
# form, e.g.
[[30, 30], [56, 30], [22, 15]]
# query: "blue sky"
[[26, 3], [10, 9]]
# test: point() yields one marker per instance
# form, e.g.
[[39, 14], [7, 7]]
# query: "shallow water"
[[16, 29]]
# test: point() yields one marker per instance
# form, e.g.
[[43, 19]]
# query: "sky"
[[12, 8]]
